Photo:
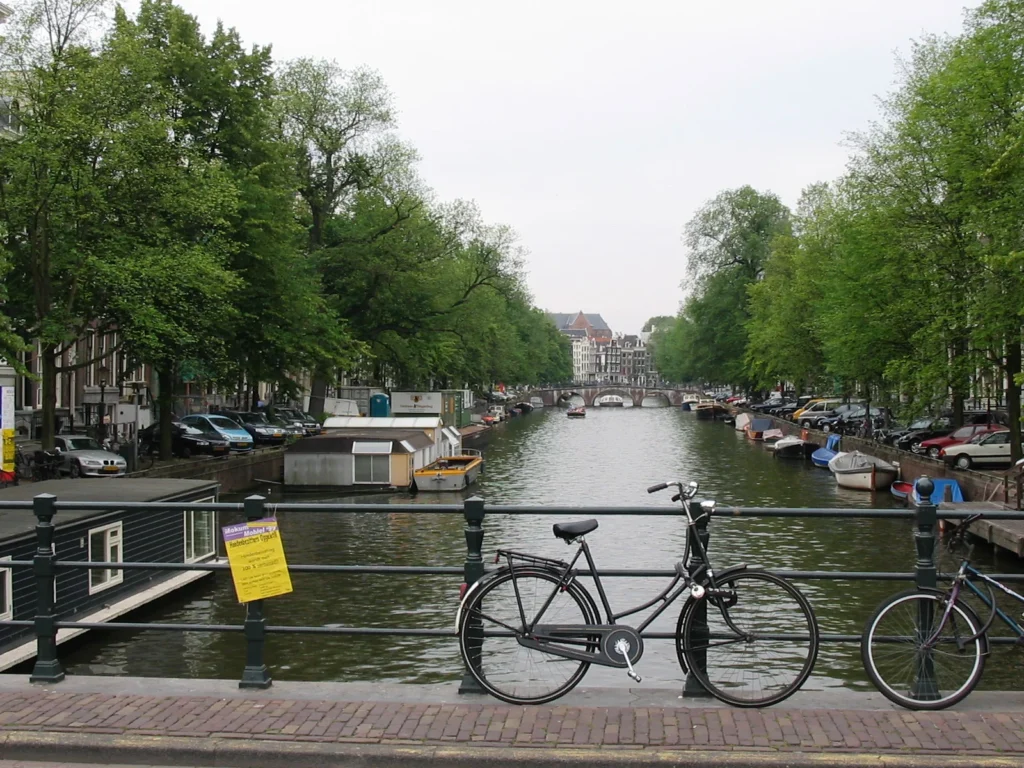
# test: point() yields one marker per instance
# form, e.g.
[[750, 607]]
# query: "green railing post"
[[255, 674], [692, 687], [47, 668], [473, 509], [925, 687]]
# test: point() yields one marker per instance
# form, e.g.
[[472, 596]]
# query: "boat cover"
[[760, 425], [855, 461], [742, 420]]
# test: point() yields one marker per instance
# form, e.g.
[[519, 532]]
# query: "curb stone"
[[36, 746]]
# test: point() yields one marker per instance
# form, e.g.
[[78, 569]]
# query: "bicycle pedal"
[[633, 675]]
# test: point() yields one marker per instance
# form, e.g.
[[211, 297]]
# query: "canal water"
[[608, 458]]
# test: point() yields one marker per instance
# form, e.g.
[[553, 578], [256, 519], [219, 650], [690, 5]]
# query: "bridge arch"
[[625, 394]]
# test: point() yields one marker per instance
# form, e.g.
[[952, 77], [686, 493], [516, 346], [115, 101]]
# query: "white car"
[[987, 451]]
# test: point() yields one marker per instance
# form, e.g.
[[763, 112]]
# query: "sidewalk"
[[106, 720]]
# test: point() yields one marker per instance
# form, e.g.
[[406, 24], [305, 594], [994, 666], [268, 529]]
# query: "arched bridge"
[[591, 394]]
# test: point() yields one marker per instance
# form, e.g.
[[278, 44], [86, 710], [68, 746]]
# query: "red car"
[[966, 434]]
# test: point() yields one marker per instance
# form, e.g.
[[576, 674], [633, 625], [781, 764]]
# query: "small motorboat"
[[741, 421], [773, 435], [576, 413], [793, 447], [822, 456], [862, 472], [449, 473], [704, 409], [524, 407], [901, 490], [944, 489], [756, 428], [689, 401]]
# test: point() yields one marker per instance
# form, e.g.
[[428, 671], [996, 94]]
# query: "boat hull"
[[822, 456], [705, 414], [866, 480]]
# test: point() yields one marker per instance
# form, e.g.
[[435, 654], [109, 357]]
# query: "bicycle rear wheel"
[[759, 644], [491, 623], [913, 672]]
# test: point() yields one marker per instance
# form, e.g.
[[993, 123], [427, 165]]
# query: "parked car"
[[238, 439], [942, 426], [989, 450], [186, 441], [310, 425], [814, 413], [786, 411], [257, 425], [292, 429], [933, 447], [83, 456], [850, 417]]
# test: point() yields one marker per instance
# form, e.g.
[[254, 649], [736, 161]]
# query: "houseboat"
[[449, 473], [382, 459], [704, 409], [136, 536], [610, 401]]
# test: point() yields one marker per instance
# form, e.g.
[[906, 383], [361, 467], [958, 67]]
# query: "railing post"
[[255, 674], [47, 668], [692, 688], [473, 509], [925, 686]]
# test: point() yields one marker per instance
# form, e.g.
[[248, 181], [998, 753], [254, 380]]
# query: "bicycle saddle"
[[570, 531]]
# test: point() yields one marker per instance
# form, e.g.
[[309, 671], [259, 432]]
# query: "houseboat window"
[[105, 547], [200, 537], [6, 592], [372, 468]]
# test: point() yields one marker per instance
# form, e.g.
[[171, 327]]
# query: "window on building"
[[371, 461], [105, 547], [6, 592], [200, 534]]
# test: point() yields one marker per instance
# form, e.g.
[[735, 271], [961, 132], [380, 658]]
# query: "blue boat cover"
[[822, 456], [939, 494]]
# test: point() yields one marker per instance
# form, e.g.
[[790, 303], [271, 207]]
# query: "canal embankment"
[[235, 473]]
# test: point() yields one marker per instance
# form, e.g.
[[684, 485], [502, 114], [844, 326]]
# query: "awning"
[[371, 446]]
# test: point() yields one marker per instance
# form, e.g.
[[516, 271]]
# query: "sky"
[[597, 129]]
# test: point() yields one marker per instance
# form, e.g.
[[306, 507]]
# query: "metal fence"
[[46, 623]]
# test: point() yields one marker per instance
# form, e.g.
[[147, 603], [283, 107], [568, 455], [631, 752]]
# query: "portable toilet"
[[380, 405]]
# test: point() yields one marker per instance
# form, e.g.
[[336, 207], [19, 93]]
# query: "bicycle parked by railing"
[[926, 649], [530, 630]]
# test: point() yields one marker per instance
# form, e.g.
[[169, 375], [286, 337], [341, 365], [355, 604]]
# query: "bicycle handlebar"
[[658, 487]]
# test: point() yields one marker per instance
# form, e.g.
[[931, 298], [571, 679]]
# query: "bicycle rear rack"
[[531, 559]]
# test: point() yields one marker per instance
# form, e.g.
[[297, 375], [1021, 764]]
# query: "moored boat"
[[576, 413], [704, 409], [449, 473], [690, 400], [862, 472], [756, 428], [901, 489], [944, 489], [741, 421], [773, 435], [793, 447], [610, 401], [822, 456]]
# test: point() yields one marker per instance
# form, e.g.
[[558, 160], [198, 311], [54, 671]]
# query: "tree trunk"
[[165, 401], [48, 369], [1013, 366]]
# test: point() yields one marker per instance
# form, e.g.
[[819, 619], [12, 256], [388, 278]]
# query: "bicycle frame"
[[964, 576]]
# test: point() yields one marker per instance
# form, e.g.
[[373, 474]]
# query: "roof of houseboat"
[[383, 422], [342, 440], [18, 522]]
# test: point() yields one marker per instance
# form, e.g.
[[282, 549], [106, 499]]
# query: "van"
[[808, 404], [815, 412]]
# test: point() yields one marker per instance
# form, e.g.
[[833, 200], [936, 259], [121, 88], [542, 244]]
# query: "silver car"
[[84, 457]]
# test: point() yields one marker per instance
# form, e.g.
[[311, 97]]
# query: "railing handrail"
[[255, 628]]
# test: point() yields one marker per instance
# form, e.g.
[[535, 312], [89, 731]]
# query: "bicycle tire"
[[902, 692], [503, 587], [723, 675]]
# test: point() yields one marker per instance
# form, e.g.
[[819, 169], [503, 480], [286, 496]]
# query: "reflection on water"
[[608, 458]]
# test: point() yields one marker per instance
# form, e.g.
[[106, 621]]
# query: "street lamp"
[[103, 373]]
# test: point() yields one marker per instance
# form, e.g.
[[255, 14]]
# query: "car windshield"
[[223, 423], [82, 444], [963, 433], [189, 429], [921, 424], [258, 418]]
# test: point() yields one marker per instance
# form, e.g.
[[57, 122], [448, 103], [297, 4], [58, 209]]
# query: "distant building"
[[593, 325]]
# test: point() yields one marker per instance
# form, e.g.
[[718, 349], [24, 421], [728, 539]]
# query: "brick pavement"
[[491, 724]]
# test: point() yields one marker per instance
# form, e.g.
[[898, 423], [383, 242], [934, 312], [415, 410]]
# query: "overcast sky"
[[596, 129]]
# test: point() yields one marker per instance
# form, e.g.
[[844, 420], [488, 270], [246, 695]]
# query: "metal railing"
[[44, 564]]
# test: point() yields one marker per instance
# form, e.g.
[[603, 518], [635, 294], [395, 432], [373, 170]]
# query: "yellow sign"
[[8, 454], [256, 555]]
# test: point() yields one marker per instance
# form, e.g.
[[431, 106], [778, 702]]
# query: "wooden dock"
[[1005, 534]]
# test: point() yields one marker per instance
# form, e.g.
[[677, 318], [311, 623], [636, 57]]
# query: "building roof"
[[592, 322], [341, 440], [18, 522], [383, 422]]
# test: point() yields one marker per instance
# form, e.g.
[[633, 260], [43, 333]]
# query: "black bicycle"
[[530, 630], [926, 648]]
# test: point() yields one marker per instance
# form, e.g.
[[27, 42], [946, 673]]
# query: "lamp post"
[[135, 450], [103, 373]]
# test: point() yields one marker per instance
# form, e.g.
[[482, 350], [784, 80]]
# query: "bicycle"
[[926, 648], [509, 650]]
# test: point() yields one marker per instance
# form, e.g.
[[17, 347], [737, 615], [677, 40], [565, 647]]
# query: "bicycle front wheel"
[[754, 644], [913, 660], [492, 623]]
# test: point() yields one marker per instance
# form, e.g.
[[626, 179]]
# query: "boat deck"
[[1005, 534]]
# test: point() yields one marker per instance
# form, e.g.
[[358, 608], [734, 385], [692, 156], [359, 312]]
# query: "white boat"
[[610, 401], [793, 447], [689, 401], [741, 421], [704, 409], [536, 402], [450, 473], [862, 472]]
